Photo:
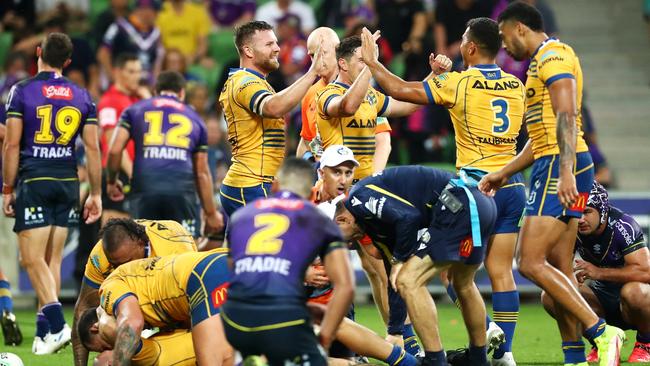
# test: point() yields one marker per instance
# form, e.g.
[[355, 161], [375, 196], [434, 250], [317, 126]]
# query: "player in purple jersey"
[[171, 160], [45, 115], [614, 271], [272, 242]]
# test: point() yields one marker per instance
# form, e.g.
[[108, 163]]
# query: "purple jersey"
[[621, 236], [272, 241], [53, 110], [166, 134]]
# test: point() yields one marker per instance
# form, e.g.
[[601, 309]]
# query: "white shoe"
[[37, 345], [506, 360], [495, 337], [56, 341]]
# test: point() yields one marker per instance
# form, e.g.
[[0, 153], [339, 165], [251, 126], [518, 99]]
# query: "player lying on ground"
[[124, 240], [614, 271], [184, 291]]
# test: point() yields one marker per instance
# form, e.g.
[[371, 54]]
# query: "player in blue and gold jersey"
[[45, 114], [272, 242], [173, 292], [124, 240], [255, 114], [170, 166], [560, 182], [486, 107]]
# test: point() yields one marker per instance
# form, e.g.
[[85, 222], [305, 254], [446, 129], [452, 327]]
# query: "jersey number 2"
[[175, 136], [500, 109], [265, 240], [66, 121]]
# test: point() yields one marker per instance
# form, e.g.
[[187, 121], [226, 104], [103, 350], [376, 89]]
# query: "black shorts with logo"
[[609, 296], [46, 201], [180, 207], [282, 333]]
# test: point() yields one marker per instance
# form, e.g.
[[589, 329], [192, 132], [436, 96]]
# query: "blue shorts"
[[233, 198], [543, 200], [207, 287], [609, 296], [510, 201], [450, 234], [46, 201]]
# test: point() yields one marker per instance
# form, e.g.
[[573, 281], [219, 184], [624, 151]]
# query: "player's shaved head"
[[484, 32], [296, 176], [324, 36]]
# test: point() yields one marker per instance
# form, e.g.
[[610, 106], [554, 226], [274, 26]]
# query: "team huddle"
[[280, 291]]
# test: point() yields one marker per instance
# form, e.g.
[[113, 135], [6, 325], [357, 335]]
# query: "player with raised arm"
[[182, 291], [171, 159], [560, 181], [614, 272], [327, 40], [124, 240], [255, 114], [45, 114], [272, 242]]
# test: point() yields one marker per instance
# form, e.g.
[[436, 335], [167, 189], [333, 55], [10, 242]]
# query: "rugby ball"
[[10, 359]]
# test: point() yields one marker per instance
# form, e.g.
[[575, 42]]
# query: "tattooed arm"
[[563, 98], [129, 326]]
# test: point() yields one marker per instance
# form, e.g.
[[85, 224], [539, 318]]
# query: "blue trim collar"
[[486, 67], [346, 86], [541, 45], [256, 73]]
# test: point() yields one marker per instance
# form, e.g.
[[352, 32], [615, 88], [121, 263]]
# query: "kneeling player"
[[183, 291], [391, 207], [97, 334], [614, 272]]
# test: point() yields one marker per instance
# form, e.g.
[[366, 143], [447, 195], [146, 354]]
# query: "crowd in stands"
[[194, 37]]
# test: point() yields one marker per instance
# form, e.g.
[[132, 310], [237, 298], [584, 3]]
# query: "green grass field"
[[537, 340]]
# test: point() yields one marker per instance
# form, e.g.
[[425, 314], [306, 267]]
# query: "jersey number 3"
[[265, 240], [500, 109]]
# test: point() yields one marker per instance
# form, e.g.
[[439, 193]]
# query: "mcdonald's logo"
[[219, 295], [466, 247], [581, 202]]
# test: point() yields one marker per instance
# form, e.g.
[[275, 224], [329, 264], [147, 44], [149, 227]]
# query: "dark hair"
[[170, 81], [244, 32], [56, 49], [340, 207], [123, 58], [523, 13], [117, 230], [346, 48], [296, 175], [86, 321], [485, 33]]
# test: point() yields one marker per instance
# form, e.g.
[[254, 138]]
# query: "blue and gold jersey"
[[486, 107], [161, 285], [272, 241], [166, 237], [356, 132], [257, 142], [552, 61], [174, 348], [54, 111], [166, 133]]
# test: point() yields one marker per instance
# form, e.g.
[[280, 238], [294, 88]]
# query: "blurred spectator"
[[230, 13], [451, 20], [274, 10], [15, 70], [136, 34], [345, 13], [17, 16], [175, 61], [117, 9], [83, 68], [185, 26], [294, 59], [385, 52], [402, 22], [45, 6], [198, 97], [602, 173]]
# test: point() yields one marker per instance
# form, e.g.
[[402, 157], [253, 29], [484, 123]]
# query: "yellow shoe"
[[609, 346]]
